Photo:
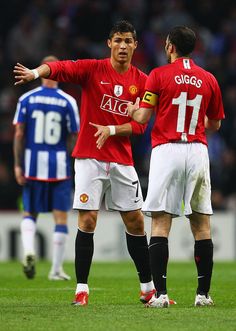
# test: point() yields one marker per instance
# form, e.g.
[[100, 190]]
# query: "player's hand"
[[133, 107], [19, 175], [103, 132], [22, 74]]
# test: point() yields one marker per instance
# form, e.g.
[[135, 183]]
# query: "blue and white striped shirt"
[[49, 115]]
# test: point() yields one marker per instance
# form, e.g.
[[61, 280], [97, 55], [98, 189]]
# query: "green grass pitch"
[[41, 304]]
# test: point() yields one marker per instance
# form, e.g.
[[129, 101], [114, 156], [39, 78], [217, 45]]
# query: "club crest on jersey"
[[83, 197], [133, 89], [118, 90]]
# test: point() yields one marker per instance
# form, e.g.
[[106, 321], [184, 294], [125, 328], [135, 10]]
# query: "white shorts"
[[119, 183], [179, 180]]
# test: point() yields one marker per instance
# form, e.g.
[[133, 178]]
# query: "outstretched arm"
[[24, 75]]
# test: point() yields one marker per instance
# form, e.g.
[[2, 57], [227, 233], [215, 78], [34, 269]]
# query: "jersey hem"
[[48, 180], [103, 160], [178, 142]]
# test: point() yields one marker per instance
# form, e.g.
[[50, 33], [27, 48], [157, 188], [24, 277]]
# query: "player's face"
[[167, 50], [122, 47]]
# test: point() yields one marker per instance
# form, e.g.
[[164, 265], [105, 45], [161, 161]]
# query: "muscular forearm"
[[212, 125], [18, 145], [142, 115], [43, 71], [18, 149], [123, 130], [104, 132]]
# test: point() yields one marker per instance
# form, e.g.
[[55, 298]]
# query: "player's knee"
[[134, 223], [201, 231], [87, 221], [202, 234], [136, 229], [200, 226]]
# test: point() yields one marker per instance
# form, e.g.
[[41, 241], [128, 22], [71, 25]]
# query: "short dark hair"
[[122, 27], [183, 38]]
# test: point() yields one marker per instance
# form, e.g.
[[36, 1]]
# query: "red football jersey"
[[182, 93], [105, 94]]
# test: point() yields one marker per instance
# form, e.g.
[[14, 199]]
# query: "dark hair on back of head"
[[122, 27], [183, 38]]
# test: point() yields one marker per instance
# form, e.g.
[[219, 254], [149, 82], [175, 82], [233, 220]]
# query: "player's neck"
[[120, 67], [175, 57], [49, 83]]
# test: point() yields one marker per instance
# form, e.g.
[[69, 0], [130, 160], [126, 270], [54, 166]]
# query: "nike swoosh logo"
[[103, 83], [200, 277], [135, 201], [163, 276]]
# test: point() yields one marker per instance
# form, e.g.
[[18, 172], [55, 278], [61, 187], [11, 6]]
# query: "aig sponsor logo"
[[114, 105]]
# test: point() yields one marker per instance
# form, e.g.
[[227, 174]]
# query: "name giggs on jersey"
[[114, 105], [186, 79]]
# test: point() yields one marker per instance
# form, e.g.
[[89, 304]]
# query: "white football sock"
[[59, 244], [28, 229], [147, 287], [82, 288]]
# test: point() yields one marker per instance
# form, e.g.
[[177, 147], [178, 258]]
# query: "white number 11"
[[182, 102]]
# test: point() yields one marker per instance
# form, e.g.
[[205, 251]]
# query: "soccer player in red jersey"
[[103, 157], [186, 100]]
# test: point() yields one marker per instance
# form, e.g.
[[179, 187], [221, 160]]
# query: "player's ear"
[[109, 43], [136, 44], [172, 48]]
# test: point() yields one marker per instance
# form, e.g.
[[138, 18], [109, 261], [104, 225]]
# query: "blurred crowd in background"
[[75, 29]]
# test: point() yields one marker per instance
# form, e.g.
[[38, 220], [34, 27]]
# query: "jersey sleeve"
[[69, 71], [20, 114], [138, 128], [215, 110]]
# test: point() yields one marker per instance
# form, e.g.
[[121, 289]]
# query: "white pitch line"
[[47, 289]]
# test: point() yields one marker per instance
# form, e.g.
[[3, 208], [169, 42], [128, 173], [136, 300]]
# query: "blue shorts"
[[42, 197]]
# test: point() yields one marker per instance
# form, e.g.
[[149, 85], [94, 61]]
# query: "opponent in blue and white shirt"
[[46, 121], [49, 115]]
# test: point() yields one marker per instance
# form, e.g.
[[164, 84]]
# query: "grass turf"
[[41, 304]]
